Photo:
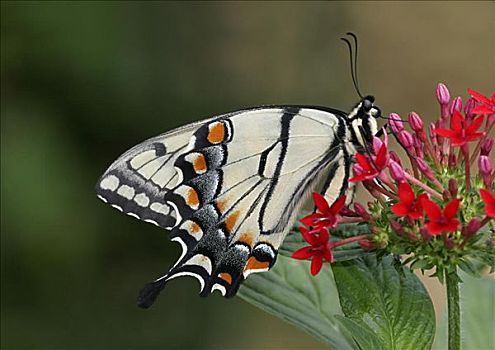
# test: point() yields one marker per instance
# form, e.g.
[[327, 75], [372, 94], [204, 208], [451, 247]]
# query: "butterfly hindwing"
[[243, 180]]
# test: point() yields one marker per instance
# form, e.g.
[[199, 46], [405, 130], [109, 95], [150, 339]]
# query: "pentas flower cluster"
[[435, 203]]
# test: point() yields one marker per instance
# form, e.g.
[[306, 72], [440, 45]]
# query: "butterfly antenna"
[[353, 59]]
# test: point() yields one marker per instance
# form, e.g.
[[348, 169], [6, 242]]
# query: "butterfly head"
[[363, 120]]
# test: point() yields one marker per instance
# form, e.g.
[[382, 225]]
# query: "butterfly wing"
[[241, 183], [138, 180]]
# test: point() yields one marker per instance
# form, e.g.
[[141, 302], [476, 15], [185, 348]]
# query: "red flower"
[[489, 199], [487, 106], [318, 250], [441, 221], [327, 216], [370, 170], [461, 130], [408, 205]]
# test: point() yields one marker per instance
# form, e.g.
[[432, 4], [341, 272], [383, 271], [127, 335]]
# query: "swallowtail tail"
[[229, 188]]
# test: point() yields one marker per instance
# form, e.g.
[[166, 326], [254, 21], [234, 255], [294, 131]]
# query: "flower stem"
[[454, 314]]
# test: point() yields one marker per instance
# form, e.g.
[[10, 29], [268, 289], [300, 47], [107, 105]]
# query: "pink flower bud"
[[452, 160], [417, 142], [357, 169], [415, 121], [471, 228], [425, 168], [453, 188], [486, 146], [377, 143], [485, 166], [394, 157], [396, 171], [397, 227], [468, 108], [433, 136], [443, 95], [406, 139], [425, 234], [456, 105], [361, 211], [366, 244], [395, 123]]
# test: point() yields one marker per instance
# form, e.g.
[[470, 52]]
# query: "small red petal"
[[308, 235], [303, 253], [431, 208], [321, 202], [399, 209], [311, 219], [363, 161], [475, 124], [337, 205], [488, 197], [445, 132], [316, 264], [433, 228], [451, 226], [406, 193], [359, 178], [457, 121], [451, 209], [381, 157], [415, 215], [490, 210], [479, 97], [323, 236], [327, 254], [483, 110]]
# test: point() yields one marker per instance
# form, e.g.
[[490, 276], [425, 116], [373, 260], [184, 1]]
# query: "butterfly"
[[229, 188]]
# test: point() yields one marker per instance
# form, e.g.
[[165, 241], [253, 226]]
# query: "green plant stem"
[[453, 310]]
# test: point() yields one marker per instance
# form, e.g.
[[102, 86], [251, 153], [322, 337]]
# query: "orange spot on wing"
[[199, 163], [216, 133], [226, 277], [231, 220], [221, 205], [192, 198], [195, 228], [255, 264], [247, 238]]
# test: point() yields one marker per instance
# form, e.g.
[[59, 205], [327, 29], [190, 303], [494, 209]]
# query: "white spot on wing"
[[152, 222], [160, 208], [117, 207], [200, 260], [220, 288], [184, 249], [142, 158], [142, 200], [111, 182], [102, 198], [248, 272], [187, 273], [126, 191], [133, 215], [151, 168]]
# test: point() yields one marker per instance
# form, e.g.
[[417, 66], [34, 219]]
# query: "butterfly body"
[[229, 188]]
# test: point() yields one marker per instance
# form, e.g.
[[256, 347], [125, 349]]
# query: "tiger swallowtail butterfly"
[[229, 188]]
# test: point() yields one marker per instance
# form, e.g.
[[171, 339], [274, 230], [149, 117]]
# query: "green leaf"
[[385, 308], [477, 315], [289, 292]]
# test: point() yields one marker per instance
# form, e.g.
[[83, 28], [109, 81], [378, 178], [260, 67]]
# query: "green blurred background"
[[81, 82]]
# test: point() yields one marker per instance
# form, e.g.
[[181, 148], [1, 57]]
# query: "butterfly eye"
[[367, 105]]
